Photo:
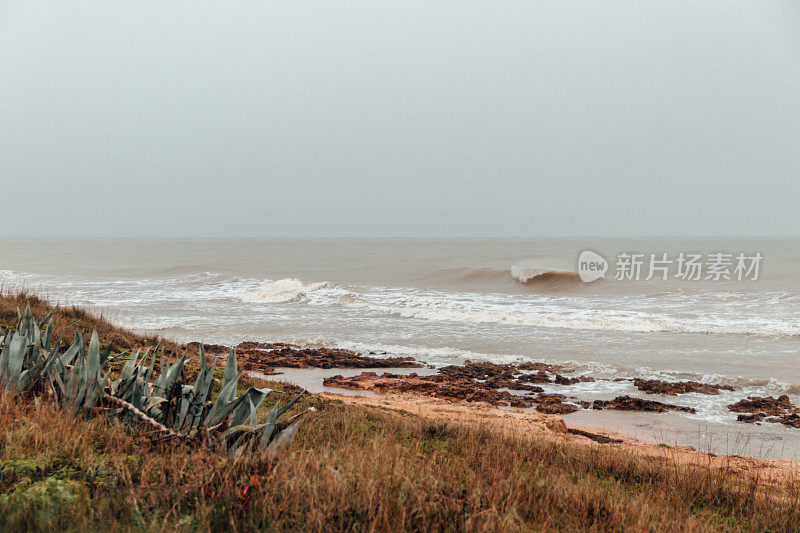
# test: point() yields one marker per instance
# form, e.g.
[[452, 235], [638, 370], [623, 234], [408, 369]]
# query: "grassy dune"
[[351, 468]]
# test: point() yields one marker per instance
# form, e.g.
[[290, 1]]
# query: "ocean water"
[[446, 301]]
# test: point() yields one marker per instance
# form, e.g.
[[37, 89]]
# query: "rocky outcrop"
[[656, 386], [561, 380], [767, 409], [765, 405], [602, 439], [553, 404], [629, 403], [438, 386], [259, 356]]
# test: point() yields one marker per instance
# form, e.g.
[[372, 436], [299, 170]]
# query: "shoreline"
[[668, 429], [458, 464], [309, 367], [553, 427]]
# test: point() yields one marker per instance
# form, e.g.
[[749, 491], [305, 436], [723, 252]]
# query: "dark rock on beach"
[[767, 409], [766, 405], [629, 403], [538, 377], [439, 386], [209, 348], [602, 439], [561, 380], [655, 386], [268, 356], [552, 405]]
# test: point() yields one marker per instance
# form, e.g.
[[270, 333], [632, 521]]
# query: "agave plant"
[[31, 365]]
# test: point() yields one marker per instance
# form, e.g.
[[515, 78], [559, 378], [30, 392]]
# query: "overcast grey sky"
[[383, 118]]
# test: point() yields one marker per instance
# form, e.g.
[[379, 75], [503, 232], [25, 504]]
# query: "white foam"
[[555, 316], [281, 291]]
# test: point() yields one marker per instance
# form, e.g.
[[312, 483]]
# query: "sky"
[[375, 118]]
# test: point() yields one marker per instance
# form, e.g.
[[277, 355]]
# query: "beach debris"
[[629, 403], [656, 386]]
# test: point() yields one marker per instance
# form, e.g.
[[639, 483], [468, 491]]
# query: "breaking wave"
[[532, 274], [282, 291]]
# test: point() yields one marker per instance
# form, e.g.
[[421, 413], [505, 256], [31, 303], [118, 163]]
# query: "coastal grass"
[[356, 468], [67, 318]]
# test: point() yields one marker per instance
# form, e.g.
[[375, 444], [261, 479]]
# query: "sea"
[[445, 301]]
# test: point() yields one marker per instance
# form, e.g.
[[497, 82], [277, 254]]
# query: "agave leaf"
[[230, 369], [154, 402], [4, 355], [48, 331], [228, 391], [284, 438], [16, 357], [247, 409], [25, 321], [95, 390], [203, 360], [219, 413], [92, 367], [130, 366], [269, 427], [168, 378], [201, 391], [71, 353], [290, 404]]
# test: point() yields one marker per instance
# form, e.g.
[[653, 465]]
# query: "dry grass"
[[67, 318], [355, 468]]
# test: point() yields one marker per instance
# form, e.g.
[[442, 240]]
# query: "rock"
[[767, 409], [537, 366], [629, 403], [792, 420], [602, 439], [260, 355], [766, 405], [757, 417], [538, 377], [561, 380], [439, 386], [209, 348], [512, 384], [655, 386], [481, 370], [556, 407]]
